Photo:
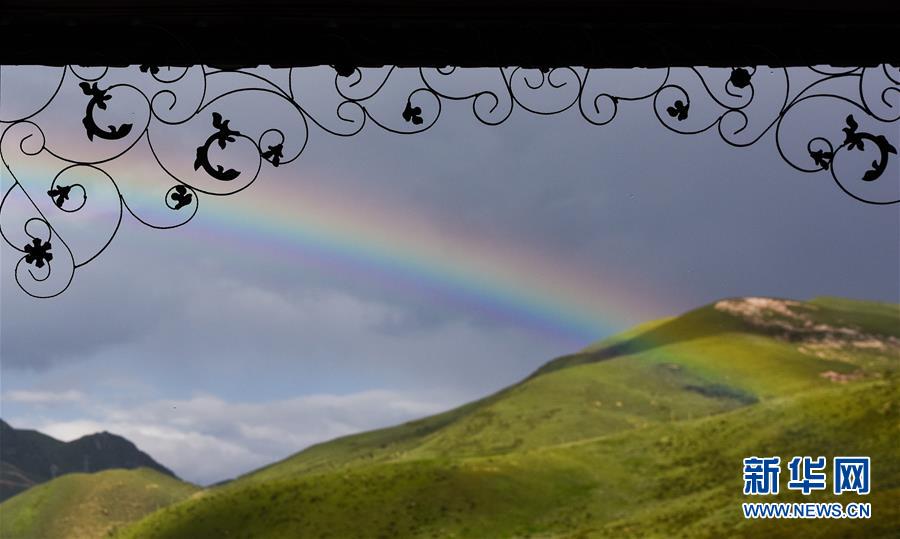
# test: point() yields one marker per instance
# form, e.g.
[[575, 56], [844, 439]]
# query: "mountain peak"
[[36, 457], [819, 326]]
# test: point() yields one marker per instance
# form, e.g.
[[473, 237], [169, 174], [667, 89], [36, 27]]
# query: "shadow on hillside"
[[697, 324]]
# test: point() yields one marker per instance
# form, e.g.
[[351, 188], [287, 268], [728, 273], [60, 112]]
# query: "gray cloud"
[[205, 439]]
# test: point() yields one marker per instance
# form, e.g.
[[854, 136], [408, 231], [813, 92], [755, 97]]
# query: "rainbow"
[[323, 230]]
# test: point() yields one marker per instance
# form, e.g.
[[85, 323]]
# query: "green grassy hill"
[[639, 435], [29, 457], [87, 506]]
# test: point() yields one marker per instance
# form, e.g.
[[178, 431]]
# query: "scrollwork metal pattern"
[[158, 102]]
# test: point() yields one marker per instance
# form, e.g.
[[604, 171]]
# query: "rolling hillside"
[[28, 457], [639, 435], [86, 506]]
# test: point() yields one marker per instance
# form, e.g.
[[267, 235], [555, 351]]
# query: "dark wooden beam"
[[598, 33]]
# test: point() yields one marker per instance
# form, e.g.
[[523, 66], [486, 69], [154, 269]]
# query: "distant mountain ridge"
[[29, 457]]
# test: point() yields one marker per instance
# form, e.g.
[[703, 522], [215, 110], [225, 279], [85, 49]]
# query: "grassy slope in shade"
[[663, 481], [640, 435], [88, 506]]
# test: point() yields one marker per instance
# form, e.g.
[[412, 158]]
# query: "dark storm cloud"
[[38, 334], [688, 213], [624, 199]]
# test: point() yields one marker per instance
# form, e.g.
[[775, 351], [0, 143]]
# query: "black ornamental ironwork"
[[158, 99]]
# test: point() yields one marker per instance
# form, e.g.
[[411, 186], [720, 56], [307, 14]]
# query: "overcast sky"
[[222, 345]]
